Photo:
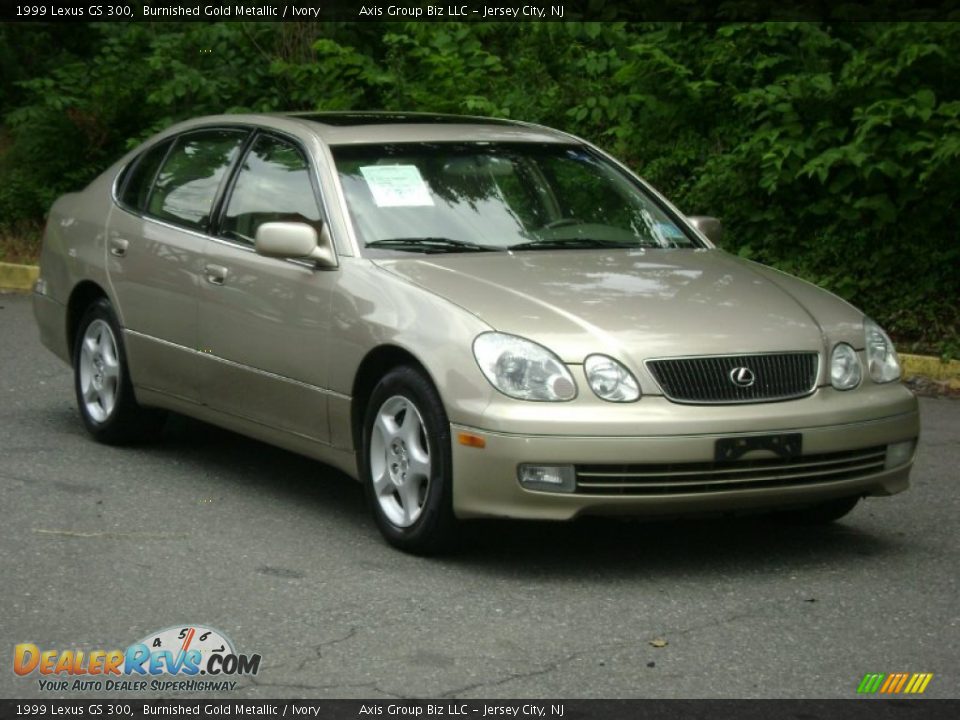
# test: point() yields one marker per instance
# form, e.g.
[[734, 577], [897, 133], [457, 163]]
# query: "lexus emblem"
[[742, 377]]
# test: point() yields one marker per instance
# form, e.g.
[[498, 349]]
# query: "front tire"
[[406, 463], [102, 381]]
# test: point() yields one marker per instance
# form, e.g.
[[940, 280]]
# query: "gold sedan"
[[473, 317]]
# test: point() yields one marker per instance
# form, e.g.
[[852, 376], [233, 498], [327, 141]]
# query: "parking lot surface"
[[100, 546]]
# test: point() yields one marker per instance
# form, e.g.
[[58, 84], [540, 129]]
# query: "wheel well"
[[81, 297], [375, 365]]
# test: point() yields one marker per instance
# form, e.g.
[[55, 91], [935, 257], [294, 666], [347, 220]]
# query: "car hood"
[[636, 303]]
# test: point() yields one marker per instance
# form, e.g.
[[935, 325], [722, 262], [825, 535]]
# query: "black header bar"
[[478, 10]]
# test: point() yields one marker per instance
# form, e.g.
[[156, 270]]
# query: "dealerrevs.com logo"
[[188, 657]]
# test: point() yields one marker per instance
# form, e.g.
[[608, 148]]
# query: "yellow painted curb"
[[931, 367], [17, 277]]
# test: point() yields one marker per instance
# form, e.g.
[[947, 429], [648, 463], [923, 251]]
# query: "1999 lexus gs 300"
[[476, 318]]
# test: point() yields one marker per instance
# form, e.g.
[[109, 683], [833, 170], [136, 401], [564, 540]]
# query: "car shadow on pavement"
[[612, 546], [242, 462], [594, 546]]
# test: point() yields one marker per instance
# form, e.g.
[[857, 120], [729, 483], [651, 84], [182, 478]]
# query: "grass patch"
[[20, 242]]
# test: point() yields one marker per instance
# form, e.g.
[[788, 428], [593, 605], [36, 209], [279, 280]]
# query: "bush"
[[829, 151]]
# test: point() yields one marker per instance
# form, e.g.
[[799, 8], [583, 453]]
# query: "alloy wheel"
[[400, 461], [99, 371]]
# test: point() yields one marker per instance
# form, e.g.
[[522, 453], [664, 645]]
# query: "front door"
[[264, 322]]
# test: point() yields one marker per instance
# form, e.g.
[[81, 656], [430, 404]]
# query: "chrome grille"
[[777, 376], [704, 477]]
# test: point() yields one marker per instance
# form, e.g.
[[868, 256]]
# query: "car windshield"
[[483, 196]]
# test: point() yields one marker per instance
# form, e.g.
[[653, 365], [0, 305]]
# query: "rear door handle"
[[216, 274], [118, 246]]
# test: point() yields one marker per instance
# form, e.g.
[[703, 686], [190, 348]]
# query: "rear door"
[[155, 248], [265, 322]]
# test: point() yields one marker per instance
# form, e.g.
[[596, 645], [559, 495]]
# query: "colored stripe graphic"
[[871, 682], [894, 683], [890, 682], [918, 683]]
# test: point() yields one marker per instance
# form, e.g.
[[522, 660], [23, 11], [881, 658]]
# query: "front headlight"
[[610, 380], [522, 369], [882, 360], [845, 372]]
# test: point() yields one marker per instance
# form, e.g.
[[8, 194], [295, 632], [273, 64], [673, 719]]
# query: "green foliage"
[[829, 151]]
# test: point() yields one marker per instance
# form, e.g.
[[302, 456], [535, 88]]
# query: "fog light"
[[550, 478], [899, 454]]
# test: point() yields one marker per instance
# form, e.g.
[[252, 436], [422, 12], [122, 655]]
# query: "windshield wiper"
[[430, 245], [575, 243]]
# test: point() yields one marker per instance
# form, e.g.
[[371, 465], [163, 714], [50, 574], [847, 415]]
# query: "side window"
[[273, 185], [135, 187], [188, 181]]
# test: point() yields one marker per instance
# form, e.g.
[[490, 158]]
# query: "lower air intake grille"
[[705, 477], [736, 378]]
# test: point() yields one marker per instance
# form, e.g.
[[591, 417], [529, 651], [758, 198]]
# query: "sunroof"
[[346, 119]]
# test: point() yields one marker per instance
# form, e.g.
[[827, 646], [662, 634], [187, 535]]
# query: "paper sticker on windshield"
[[396, 185]]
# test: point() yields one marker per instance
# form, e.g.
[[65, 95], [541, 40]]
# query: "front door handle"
[[118, 246], [216, 274]]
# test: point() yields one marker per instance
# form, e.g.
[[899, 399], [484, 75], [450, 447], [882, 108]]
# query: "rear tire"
[[102, 381], [406, 464]]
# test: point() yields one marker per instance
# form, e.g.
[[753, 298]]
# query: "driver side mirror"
[[295, 241], [709, 226]]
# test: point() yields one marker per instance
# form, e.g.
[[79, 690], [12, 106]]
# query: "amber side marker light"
[[471, 440]]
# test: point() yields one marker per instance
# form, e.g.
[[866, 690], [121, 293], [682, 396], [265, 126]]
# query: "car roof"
[[353, 128], [346, 128], [386, 117]]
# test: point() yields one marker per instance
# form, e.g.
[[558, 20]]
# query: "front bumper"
[[486, 482]]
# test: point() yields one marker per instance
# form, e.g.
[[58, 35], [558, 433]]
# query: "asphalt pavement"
[[101, 546]]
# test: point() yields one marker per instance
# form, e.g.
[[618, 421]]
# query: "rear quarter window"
[[138, 176]]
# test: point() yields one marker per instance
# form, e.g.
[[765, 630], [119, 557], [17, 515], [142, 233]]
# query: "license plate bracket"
[[783, 445]]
